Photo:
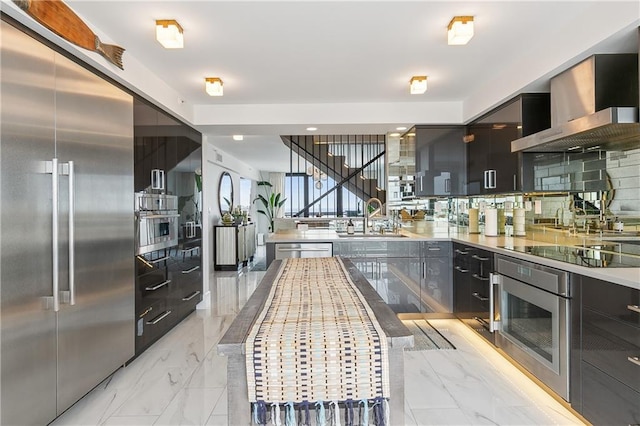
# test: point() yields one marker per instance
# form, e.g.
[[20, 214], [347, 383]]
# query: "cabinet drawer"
[[606, 401], [610, 299], [608, 343]]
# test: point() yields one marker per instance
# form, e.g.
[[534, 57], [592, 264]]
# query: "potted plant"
[[270, 201]]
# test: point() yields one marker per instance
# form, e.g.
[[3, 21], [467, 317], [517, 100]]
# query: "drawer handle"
[[477, 296], [191, 296], [478, 277], [634, 359], [157, 286], [162, 259], [464, 271], [159, 318], [634, 308], [475, 256], [462, 252], [434, 249], [188, 271]]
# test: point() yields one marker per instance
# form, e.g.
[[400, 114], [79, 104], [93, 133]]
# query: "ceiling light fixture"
[[312, 129], [238, 137], [394, 135], [169, 34], [460, 30], [418, 84], [401, 128], [213, 86]]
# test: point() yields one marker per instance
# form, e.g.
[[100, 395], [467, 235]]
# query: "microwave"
[[156, 231]]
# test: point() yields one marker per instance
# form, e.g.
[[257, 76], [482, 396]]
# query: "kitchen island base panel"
[[232, 346]]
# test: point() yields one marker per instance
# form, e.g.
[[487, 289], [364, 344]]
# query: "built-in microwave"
[[156, 232], [157, 222]]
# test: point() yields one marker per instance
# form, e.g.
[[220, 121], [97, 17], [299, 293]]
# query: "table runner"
[[316, 341]]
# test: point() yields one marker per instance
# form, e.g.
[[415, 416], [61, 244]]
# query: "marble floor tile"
[[440, 416], [190, 406], [182, 380], [131, 421]]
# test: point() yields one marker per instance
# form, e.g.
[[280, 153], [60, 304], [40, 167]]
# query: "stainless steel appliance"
[[67, 289], [297, 250], [594, 104], [532, 319], [597, 255], [157, 221]]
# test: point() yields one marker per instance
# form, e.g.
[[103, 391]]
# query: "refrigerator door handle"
[[72, 229], [55, 196]]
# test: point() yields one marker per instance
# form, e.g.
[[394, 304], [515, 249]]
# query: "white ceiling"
[[343, 66]]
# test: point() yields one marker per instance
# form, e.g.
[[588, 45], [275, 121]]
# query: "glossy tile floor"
[[181, 380]]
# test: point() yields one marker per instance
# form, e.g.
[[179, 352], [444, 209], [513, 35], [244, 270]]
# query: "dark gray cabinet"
[[160, 142], [605, 382], [491, 166], [471, 281], [440, 160], [410, 276], [436, 287]]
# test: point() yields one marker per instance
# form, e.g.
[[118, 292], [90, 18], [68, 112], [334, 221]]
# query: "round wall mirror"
[[225, 193]]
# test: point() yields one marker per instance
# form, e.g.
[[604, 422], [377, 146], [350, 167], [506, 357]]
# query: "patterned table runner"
[[316, 340]]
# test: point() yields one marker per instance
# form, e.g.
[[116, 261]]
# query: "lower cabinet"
[[410, 276], [607, 380], [168, 288], [471, 287]]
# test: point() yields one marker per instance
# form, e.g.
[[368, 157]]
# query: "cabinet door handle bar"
[[191, 296], [634, 359], [634, 308], [157, 286], [188, 271], [159, 318]]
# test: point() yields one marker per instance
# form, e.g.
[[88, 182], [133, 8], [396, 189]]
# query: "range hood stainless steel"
[[614, 128], [594, 105]]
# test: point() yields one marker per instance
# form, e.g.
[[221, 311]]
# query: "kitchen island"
[[233, 344]]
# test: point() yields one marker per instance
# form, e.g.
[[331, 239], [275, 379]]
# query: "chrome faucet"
[[368, 215], [560, 217]]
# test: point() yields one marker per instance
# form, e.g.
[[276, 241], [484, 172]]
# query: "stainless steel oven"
[[533, 319], [157, 222]]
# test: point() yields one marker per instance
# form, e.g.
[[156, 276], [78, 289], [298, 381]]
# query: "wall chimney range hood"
[[594, 105]]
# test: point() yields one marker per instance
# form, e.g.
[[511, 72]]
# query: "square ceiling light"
[[213, 86], [460, 30], [169, 34], [418, 84]]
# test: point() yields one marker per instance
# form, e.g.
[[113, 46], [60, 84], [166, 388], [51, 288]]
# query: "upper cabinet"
[[492, 167], [160, 142], [440, 160]]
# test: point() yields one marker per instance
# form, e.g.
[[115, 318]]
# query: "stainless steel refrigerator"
[[66, 241]]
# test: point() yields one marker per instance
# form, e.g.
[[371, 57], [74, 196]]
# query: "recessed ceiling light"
[[238, 137], [312, 129], [401, 128], [394, 135]]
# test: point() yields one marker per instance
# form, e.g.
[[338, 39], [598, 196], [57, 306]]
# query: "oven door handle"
[[494, 280]]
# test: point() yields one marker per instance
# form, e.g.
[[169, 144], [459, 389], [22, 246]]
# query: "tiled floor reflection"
[[181, 380]]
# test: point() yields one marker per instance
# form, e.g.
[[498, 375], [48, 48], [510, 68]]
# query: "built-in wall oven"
[[532, 319], [157, 221]]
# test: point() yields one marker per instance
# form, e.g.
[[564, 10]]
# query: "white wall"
[[214, 162]]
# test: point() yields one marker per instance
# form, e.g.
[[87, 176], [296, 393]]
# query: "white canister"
[[618, 225], [518, 222], [491, 222]]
